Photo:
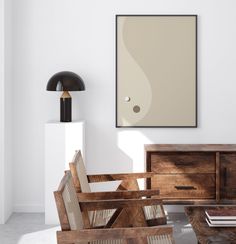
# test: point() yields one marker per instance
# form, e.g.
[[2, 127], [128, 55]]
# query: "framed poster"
[[156, 71]]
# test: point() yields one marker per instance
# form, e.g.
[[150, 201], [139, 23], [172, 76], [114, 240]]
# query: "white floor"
[[29, 228]]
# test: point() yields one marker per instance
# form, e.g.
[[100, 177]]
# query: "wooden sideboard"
[[193, 173]]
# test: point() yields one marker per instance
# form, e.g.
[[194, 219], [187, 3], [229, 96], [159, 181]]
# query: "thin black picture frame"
[[196, 67]]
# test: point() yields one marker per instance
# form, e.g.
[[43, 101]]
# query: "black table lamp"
[[65, 81]]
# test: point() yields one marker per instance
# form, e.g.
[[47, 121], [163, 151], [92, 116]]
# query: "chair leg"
[[164, 215]]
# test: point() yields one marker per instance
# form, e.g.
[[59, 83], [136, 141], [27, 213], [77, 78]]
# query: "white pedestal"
[[61, 141]]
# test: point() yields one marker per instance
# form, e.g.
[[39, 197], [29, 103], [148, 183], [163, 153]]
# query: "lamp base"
[[65, 107]]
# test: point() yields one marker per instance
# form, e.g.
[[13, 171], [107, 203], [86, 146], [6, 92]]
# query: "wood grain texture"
[[133, 215], [204, 233], [190, 147], [64, 222], [112, 233], [217, 177], [117, 203], [86, 219], [75, 176], [183, 162], [115, 177], [228, 175], [128, 189], [125, 194], [185, 185], [189, 201]]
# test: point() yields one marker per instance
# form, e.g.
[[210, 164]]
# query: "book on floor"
[[220, 223], [221, 214]]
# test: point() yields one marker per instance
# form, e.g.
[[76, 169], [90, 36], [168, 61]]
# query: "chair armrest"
[[115, 177], [90, 205], [112, 233], [117, 194]]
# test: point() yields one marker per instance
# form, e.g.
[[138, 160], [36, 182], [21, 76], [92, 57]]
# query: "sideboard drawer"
[[200, 186], [183, 162]]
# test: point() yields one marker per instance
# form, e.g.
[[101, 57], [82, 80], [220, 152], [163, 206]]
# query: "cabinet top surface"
[[189, 147]]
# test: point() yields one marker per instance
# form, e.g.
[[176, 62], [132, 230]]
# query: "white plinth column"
[[61, 141]]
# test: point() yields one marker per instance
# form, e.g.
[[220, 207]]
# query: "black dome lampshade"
[[65, 81]]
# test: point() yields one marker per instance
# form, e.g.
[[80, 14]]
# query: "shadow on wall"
[[103, 155], [131, 142]]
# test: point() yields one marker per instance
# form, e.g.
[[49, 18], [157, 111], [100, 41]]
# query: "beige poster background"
[[156, 71]]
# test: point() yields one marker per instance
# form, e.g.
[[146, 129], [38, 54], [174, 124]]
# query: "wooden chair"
[[72, 226], [128, 189]]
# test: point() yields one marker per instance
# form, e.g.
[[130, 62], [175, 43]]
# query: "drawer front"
[[227, 175], [183, 162], [185, 186]]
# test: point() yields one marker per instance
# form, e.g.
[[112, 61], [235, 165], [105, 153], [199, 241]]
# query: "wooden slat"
[[115, 177], [75, 176], [118, 217], [117, 194], [112, 233], [86, 219], [111, 204], [181, 201], [65, 178], [64, 222]]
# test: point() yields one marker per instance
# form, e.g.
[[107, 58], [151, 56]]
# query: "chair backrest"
[[79, 173], [67, 205]]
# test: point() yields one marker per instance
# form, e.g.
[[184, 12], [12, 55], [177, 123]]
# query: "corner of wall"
[[5, 112], [1, 111], [8, 196]]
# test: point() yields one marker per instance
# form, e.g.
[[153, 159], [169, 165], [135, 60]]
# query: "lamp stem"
[[65, 107]]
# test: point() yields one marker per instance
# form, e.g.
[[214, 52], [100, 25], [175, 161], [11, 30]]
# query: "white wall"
[[76, 35], [8, 110], [2, 190], [5, 111]]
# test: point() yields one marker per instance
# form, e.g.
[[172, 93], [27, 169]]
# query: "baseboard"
[[4, 217], [28, 208], [7, 215]]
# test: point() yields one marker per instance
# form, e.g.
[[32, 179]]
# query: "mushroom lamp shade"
[[65, 81]]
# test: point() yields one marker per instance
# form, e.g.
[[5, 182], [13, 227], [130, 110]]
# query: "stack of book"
[[221, 217]]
